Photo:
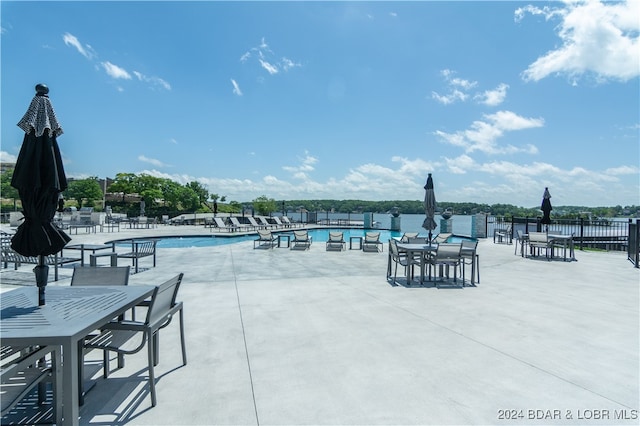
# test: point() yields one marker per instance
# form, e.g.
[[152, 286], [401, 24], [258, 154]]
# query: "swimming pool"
[[318, 235]]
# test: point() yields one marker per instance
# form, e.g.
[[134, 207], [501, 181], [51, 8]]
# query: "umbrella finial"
[[41, 89]]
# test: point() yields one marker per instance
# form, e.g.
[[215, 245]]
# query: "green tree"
[[6, 190], [200, 191], [84, 191], [124, 183], [264, 205]]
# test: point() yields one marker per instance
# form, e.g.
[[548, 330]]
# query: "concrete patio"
[[287, 337]]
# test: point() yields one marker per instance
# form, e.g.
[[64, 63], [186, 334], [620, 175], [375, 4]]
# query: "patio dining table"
[[70, 313], [422, 250], [566, 241]]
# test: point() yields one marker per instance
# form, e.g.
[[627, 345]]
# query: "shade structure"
[[429, 207], [39, 178], [546, 207]]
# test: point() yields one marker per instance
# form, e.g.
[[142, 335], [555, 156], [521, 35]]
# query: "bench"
[[88, 227], [140, 249], [11, 256], [113, 258], [24, 368]]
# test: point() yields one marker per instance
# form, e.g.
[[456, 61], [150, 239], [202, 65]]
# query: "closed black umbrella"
[[429, 207], [546, 207], [39, 178]]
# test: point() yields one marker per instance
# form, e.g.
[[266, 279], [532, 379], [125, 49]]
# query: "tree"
[[6, 190], [125, 183], [200, 191], [87, 190], [264, 205]]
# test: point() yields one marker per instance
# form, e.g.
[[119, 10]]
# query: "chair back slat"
[[163, 299], [92, 275], [371, 237], [448, 251], [265, 234], [336, 237]]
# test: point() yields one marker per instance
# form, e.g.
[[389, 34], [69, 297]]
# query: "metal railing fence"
[[605, 234]]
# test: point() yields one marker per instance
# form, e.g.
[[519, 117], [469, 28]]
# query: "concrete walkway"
[[287, 337]]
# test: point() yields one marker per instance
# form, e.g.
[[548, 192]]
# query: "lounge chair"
[[372, 242], [115, 336], [407, 235], [256, 225], [264, 222], [285, 220], [240, 226], [219, 222], [441, 238], [301, 239], [336, 241], [265, 239], [278, 222]]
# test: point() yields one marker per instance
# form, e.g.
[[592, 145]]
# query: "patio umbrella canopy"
[[39, 178], [546, 207], [429, 207]]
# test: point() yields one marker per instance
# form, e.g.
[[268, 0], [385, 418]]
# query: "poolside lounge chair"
[[255, 224], [407, 235], [372, 242], [240, 226], [265, 239], [219, 222], [441, 237], [336, 241], [117, 336], [301, 239], [278, 223], [285, 220], [264, 222]]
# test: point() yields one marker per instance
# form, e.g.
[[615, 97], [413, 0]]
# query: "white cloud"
[[115, 71], [458, 179], [597, 38], [622, 170], [236, 88], [266, 58], [493, 97], [5, 157], [154, 81], [306, 165], [271, 69], [71, 40], [152, 161], [483, 135], [453, 96]]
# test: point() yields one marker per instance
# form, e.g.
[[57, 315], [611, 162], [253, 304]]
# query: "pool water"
[[318, 235]]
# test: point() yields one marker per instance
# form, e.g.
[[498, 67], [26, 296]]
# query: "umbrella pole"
[[42, 274]]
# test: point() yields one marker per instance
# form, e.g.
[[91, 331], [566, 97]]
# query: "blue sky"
[[339, 100]]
